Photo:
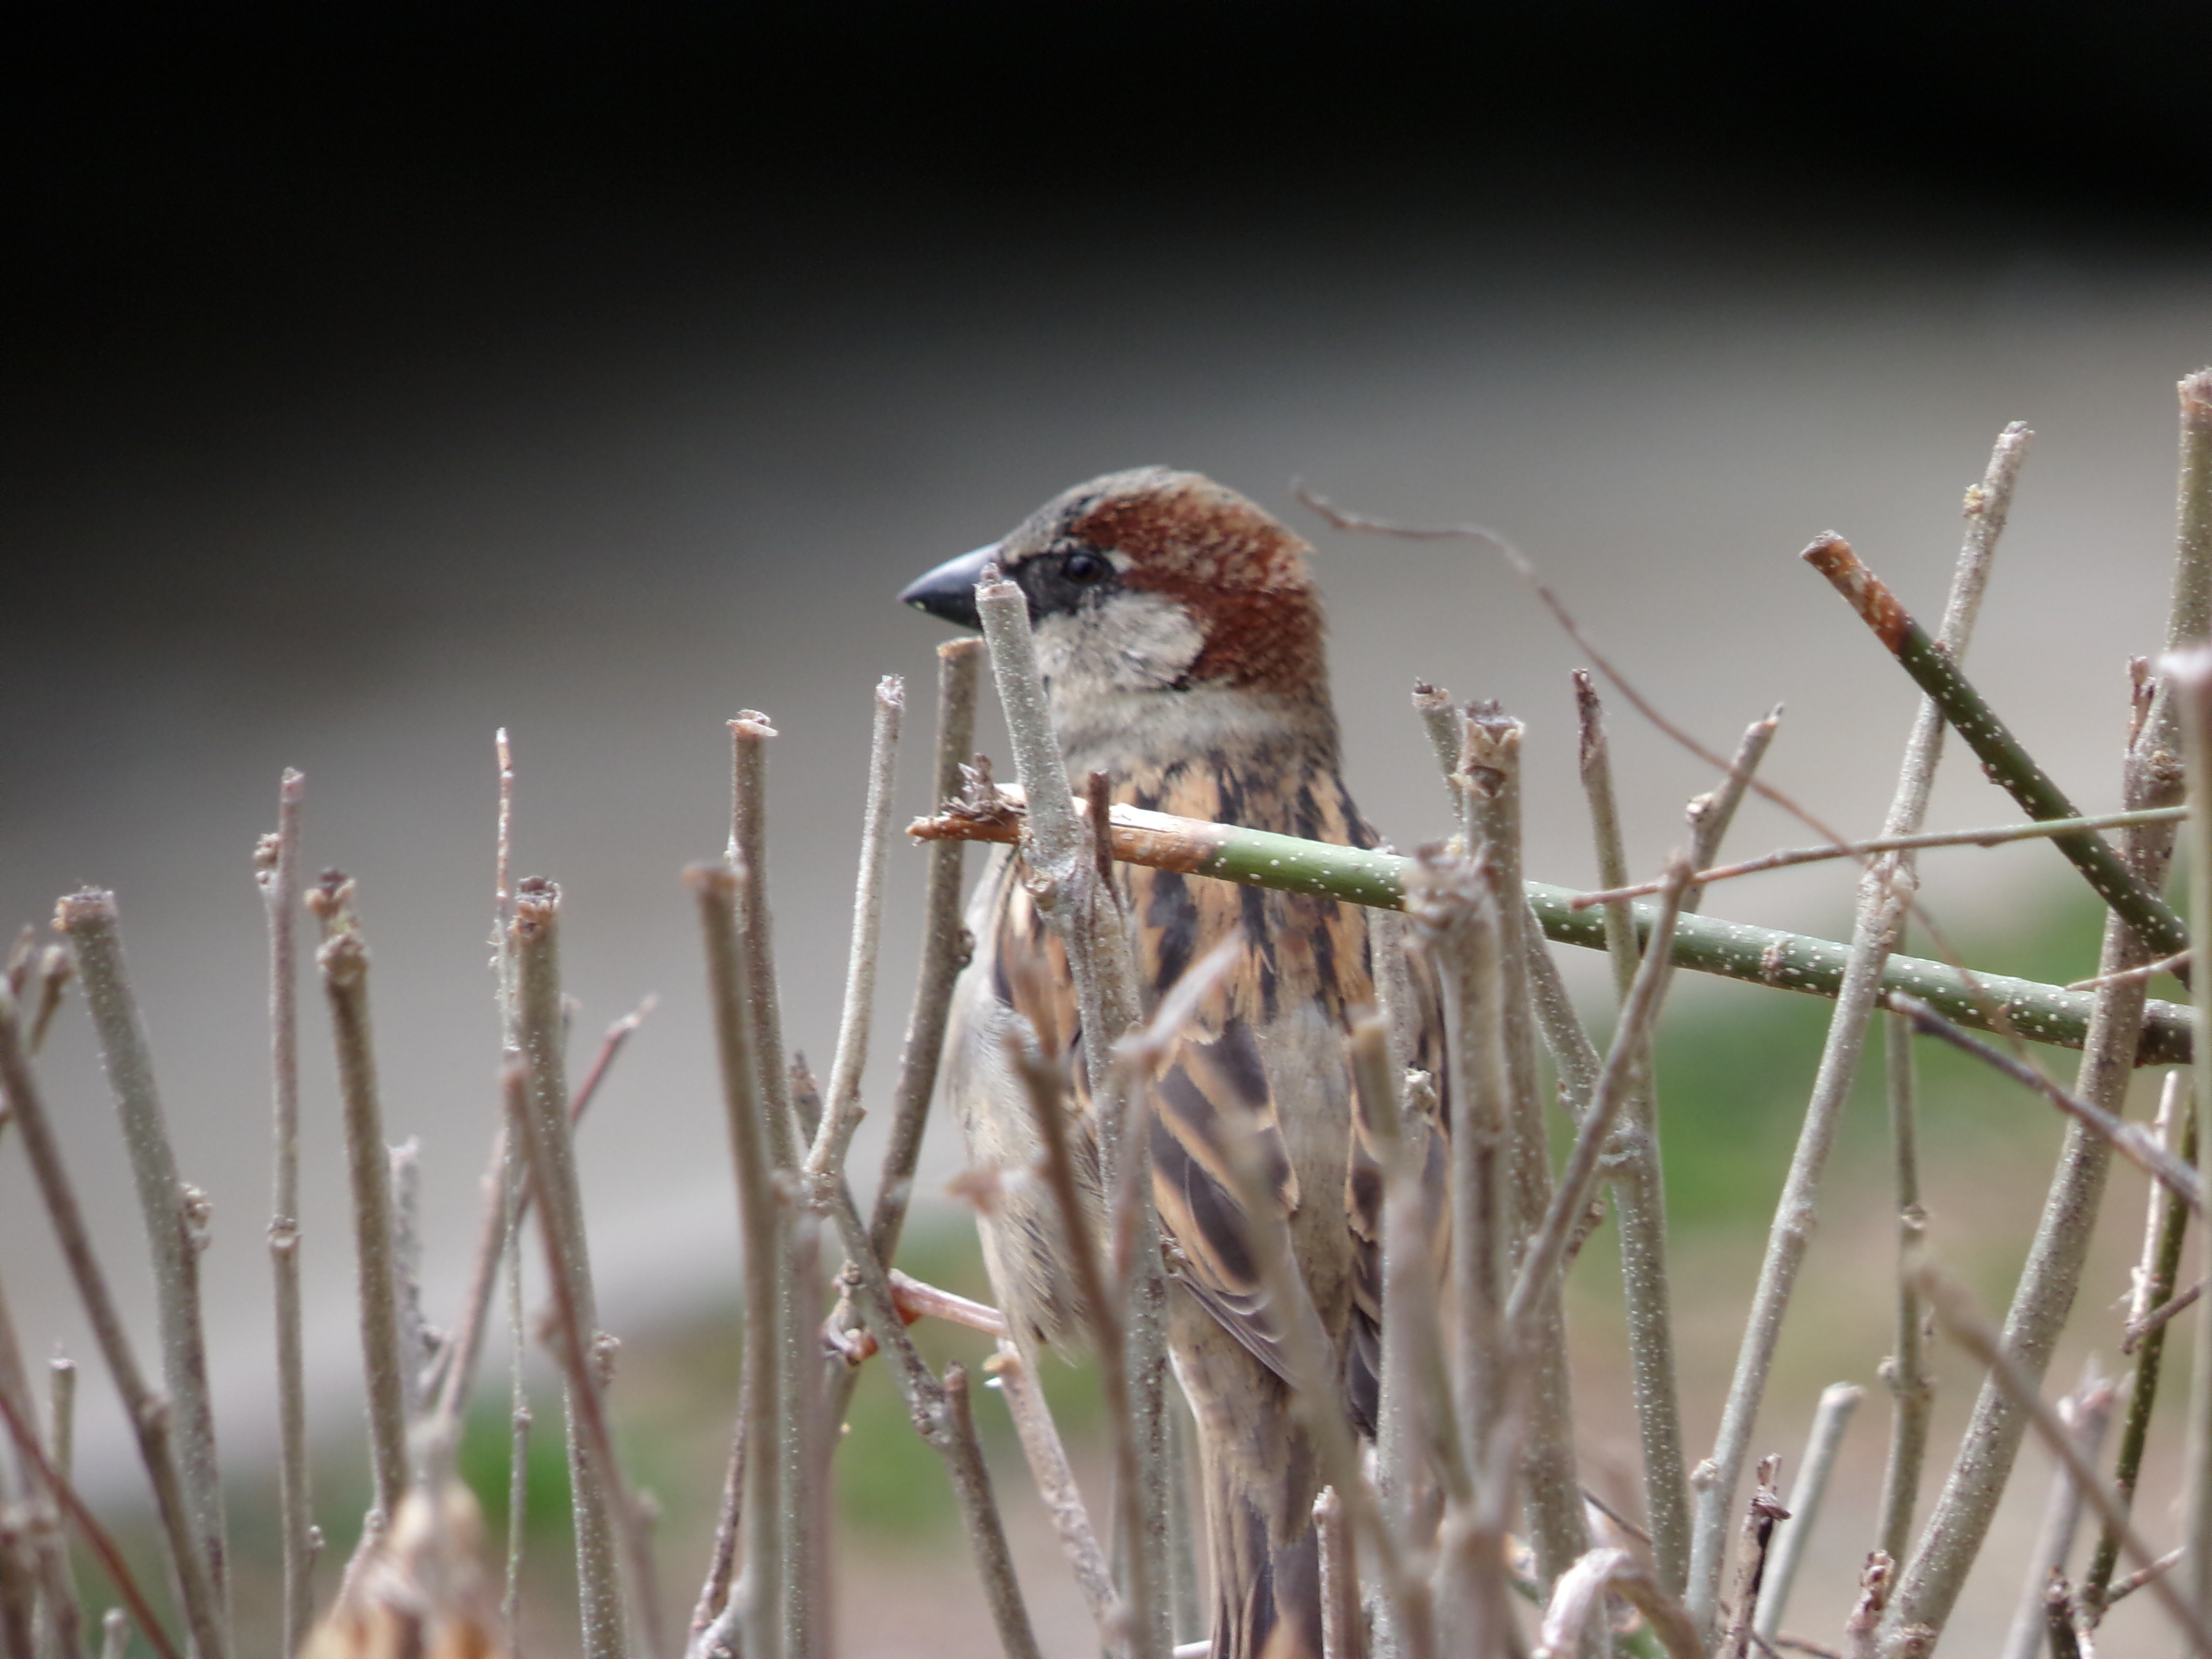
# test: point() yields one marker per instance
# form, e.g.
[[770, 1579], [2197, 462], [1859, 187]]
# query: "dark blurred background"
[[379, 376]]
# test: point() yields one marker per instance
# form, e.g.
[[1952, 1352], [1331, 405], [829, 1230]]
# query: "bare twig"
[[44, 1599], [148, 1414], [344, 961], [1838, 1401], [1456, 914], [1339, 1578], [722, 1554], [1580, 1594], [276, 873], [762, 1221], [1761, 1515], [1639, 1187], [2123, 1587], [2086, 1412], [1884, 892], [842, 1114], [1414, 1386], [453, 1373], [1086, 913], [944, 950], [1930, 1581], [26, 1436], [568, 1278], [750, 737], [1761, 956], [1864, 1625], [940, 1413], [1546, 1253], [403, 1164], [1955, 1312], [1489, 775], [602, 1517], [1441, 720], [2191, 674], [1055, 1484], [1911, 1390], [2134, 1333], [1108, 1335], [2129, 976], [2130, 1140], [174, 1234], [1937, 674], [1790, 857]]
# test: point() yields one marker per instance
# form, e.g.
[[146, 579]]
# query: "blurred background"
[[379, 378]]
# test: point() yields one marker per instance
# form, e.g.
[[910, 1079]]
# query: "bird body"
[[1180, 638]]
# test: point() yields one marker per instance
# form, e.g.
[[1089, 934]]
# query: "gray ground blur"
[[611, 534]]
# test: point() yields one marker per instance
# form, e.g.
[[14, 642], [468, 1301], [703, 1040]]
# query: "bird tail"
[[1261, 1540]]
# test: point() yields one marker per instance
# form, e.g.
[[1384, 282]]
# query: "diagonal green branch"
[[1994, 747], [1760, 956]]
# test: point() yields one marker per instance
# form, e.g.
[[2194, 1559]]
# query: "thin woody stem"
[[1838, 1400], [1929, 1583], [54, 1618], [276, 872], [1055, 1484], [940, 1413], [1912, 1391], [1758, 956], [842, 1115], [2193, 676], [1955, 1312], [945, 951], [344, 960], [2131, 1140], [1489, 774], [148, 1412], [26, 1438], [173, 1233], [1086, 913], [455, 1373], [1937, 674], [1789, 857], [564, 1275], [1885, 894], [1412, 1384], [596, 1492], [761, 1221], [2165, 1234]]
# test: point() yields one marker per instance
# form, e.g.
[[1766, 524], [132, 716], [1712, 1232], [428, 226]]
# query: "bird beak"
[[949, 591]]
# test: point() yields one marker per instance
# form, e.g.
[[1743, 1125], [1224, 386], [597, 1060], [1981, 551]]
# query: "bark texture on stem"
[[344, 960], [174, 1214], [1912, 1389], [1929, 1585], [1489, 776], [1884, 892], [594, 1487], [276, 872], [148, 1412], [757, 1600], [1086, 911]]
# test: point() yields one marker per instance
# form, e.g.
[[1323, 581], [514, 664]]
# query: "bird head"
[[1153, 590]]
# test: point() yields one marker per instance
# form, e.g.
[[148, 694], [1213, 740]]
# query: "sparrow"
[[1180, 636]]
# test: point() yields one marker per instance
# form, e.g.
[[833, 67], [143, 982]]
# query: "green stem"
[[2127, 1466], [1994, 747], [1761, 956]]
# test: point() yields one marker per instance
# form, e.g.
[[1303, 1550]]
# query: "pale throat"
[[1115, 680]]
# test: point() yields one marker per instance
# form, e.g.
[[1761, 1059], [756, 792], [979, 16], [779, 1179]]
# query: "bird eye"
[[1083, 568]]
